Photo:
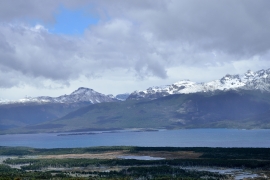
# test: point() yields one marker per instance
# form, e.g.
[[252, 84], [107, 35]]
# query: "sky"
[[53, 47]]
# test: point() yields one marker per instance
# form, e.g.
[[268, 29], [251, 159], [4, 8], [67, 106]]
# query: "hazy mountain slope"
[[226, 110], [18, 115], [201, 110]]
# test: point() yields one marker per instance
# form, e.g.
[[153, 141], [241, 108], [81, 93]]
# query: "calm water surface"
[[173, 138]]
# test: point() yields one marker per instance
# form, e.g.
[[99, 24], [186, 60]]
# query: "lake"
[[162, 138]]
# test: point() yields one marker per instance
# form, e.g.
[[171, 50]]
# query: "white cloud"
[[145, 41]]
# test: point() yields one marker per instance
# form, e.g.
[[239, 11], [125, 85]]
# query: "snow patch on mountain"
[[259, 80]]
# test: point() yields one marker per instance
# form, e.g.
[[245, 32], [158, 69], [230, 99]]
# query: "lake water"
[[146, 158], [169, 138]]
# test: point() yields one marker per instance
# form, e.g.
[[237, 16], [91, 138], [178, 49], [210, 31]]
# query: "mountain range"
[[259, 80], [234, 101]]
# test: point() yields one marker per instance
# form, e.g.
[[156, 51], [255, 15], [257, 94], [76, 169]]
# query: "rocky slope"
[[259, 80]]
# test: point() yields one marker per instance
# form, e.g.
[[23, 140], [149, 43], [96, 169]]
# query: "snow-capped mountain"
[[259, 80], [80, 95]]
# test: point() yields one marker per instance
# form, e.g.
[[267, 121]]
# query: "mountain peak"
[[82, 94], [82, 90], [249, 73]]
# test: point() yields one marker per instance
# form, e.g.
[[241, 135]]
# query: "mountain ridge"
[[82, 94], [259, 80]]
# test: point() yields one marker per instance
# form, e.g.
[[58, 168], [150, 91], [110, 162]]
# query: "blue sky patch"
[[72, 22]]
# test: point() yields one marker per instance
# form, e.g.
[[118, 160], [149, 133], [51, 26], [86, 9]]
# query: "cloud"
[[20, 10], [33, 52], [24, 10], [234, 27], [146, 38]]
